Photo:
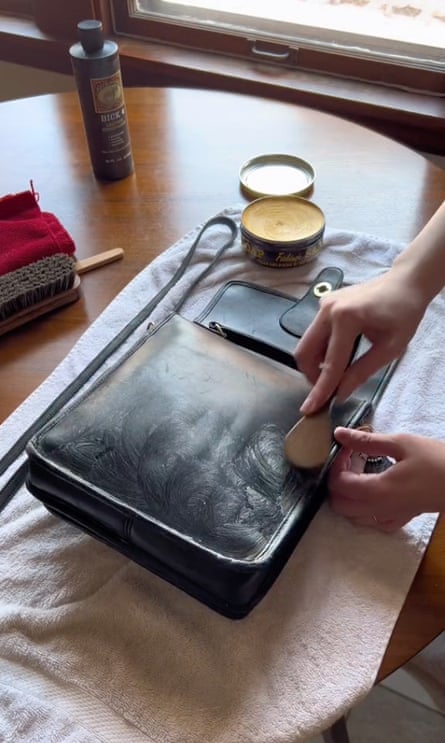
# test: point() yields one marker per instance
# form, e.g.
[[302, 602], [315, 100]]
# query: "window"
[[393, 42], [388, 74]]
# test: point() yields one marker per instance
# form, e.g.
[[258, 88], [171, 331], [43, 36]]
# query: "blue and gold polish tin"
[[282, 231]]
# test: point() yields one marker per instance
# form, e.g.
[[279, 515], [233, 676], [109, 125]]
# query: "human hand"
[[387, 310], [387, 501]]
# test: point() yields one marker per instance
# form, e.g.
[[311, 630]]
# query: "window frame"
[[303, 55], [414, 119]]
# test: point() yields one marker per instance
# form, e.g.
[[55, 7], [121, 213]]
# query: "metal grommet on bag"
[[324, 287]]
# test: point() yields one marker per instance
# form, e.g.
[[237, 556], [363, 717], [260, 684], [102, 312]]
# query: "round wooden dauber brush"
[[308, 444], [44, 285]]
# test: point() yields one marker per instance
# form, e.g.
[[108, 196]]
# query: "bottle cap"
[[91, 35]]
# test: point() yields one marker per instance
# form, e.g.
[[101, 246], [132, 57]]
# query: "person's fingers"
[[359, 498], [388, 526], [392, 525], [352, 494], [370, 443], [311, 350], [364, 367], [338, 355], [342, 462]]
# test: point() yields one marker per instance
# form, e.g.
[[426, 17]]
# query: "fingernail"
[[307, 406]]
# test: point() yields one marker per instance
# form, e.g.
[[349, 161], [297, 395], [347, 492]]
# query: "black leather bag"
[[175, 456]]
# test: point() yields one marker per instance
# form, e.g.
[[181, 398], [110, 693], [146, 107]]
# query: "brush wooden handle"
[[41, 308], [100, 259]]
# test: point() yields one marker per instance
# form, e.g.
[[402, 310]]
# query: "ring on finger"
[[324, 365]]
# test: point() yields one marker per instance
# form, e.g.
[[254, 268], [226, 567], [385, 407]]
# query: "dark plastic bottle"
[[97, 72]]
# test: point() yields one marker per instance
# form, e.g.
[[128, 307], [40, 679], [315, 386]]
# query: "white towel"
[[95, 648]]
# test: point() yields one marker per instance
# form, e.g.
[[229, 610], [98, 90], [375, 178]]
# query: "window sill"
[[415, 119]]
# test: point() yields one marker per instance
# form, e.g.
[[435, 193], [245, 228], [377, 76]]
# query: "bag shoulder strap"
[[17, 449]]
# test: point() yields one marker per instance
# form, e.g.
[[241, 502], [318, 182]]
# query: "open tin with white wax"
[[277, 174], [282, 231]]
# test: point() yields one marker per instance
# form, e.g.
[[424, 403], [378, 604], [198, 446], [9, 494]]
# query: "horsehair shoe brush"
[[44, 285]]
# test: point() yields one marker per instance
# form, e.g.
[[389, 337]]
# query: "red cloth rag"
[[28, 234]]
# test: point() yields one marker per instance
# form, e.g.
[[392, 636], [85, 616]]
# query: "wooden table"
[[188, 146]]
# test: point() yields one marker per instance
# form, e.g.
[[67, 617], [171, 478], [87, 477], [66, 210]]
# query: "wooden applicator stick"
[[100, 259]]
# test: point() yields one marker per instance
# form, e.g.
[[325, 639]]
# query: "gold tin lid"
[[283, 219], [276, 175]]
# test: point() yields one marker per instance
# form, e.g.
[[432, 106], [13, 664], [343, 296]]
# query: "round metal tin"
[[276, 175], [282, 231]]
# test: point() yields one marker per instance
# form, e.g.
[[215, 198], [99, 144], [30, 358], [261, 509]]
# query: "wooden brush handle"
[[100, 259]]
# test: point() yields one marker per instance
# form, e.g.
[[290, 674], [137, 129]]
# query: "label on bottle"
[[108, 93], [105, 119]]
